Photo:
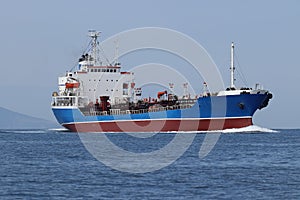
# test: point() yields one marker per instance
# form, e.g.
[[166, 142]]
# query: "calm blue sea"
[[53, 164]]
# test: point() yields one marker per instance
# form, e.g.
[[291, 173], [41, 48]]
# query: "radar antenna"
[[94, 35]]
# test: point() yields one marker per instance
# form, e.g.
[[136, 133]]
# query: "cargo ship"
[[103, 98]]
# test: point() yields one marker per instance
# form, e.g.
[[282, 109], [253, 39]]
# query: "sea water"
[[249, 163]]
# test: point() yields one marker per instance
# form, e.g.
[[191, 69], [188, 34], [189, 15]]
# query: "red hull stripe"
[[163, 125]]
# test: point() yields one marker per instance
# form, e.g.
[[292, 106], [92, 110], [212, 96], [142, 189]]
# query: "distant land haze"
[[14, 120]]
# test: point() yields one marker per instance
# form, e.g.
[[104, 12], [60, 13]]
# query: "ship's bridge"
[[106, 69]]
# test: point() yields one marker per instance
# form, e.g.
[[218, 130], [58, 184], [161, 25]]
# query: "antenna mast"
[[94, 35], [117, 52], [232, 68]]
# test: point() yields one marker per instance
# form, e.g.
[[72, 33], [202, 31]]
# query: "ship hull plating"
[[208, 113], [163, 125]]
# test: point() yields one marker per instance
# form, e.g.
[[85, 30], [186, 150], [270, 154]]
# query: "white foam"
[[58, 129], [27, 131], [249, 129]]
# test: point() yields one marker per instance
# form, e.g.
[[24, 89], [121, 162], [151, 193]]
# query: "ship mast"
[[232, 68], [94, 35]]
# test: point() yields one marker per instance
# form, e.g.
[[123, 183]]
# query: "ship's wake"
[[62, 129], [249, 129]]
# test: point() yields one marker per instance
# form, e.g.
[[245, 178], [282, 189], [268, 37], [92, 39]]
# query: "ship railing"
[[157, 109], [175, 107], [187, 101], [115, 111], [96, 113], [135, 111], [91, 111], [64, 101], [123, 112], [103, 113], [69, 101], [185, 106], [145, 110]]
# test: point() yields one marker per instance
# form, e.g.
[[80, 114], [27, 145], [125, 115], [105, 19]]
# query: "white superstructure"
[[92, 80]]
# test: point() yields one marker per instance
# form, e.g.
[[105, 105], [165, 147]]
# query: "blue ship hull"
[[208, 113]]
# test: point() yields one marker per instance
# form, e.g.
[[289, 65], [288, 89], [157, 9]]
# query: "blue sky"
[[40, 40]]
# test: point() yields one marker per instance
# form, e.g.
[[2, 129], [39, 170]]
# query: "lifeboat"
[[72, 85], [160, 94]]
